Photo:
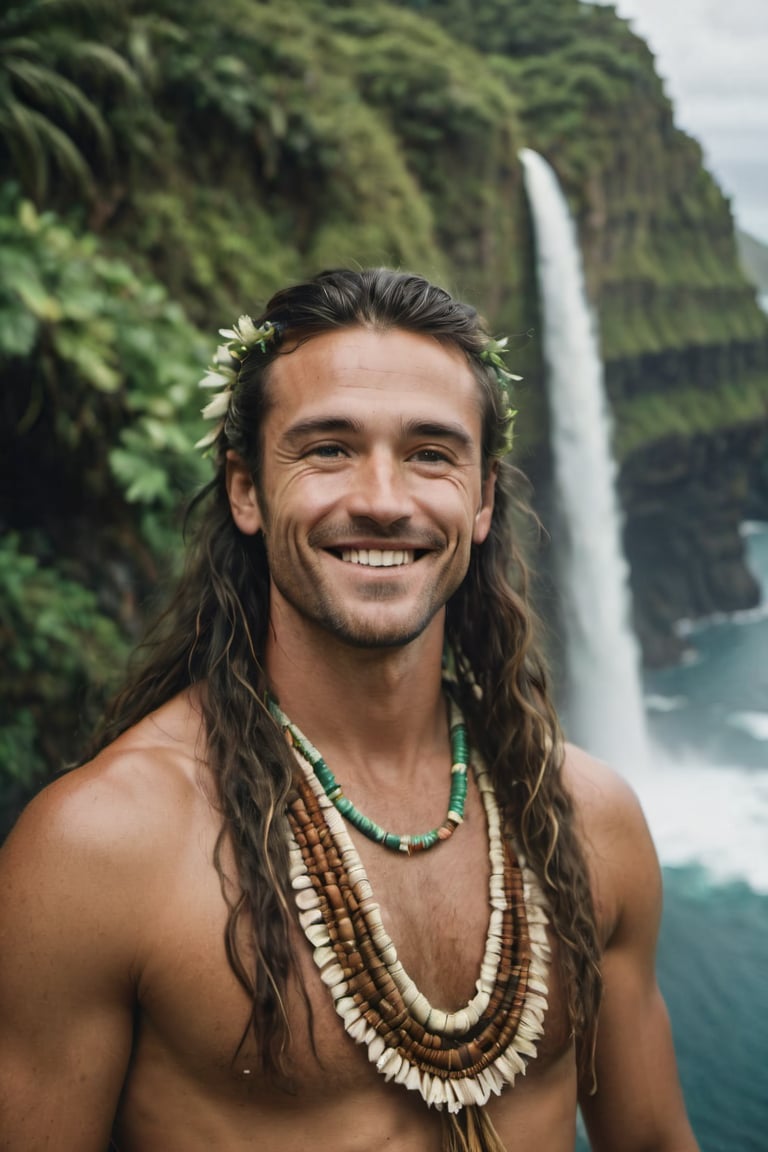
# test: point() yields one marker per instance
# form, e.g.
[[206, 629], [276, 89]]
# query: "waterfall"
[[604, 707]]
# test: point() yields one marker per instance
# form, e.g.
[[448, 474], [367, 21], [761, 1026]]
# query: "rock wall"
[[685, 499], [686, 359], [387, 131]]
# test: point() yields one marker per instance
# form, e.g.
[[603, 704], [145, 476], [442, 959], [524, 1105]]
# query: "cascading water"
[[604, 708]]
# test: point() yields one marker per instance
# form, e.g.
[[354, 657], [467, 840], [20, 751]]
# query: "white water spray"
[[604, 710]]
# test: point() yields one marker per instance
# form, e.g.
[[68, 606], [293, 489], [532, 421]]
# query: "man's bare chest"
[[193, 1013]]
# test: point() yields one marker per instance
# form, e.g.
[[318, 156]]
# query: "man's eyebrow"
[[439, 431], [320, 426]]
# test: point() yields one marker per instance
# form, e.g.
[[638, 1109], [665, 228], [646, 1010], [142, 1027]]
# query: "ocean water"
[[706, 799]]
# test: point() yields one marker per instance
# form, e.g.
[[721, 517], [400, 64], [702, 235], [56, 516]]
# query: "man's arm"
[[67, 912], [638, 1105]]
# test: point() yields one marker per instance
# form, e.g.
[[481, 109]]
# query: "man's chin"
[[382, 635], [378, 638]]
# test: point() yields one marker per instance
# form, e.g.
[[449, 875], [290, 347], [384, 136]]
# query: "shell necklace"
[[453, 1059]]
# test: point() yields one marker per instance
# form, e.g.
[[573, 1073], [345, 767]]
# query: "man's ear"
[[242, 496], [482, 525]]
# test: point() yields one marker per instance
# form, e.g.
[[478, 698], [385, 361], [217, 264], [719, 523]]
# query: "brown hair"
[[213, 633]]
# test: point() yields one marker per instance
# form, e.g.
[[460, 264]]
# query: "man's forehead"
[[360, 355]]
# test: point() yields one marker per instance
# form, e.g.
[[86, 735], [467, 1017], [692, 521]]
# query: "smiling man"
[[332, 879]]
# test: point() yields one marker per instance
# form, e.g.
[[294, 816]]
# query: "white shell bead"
[[437, 1021], [306, 898], [332, 976], [413, 1079], [323, 955], [357, 1029], [311, 916], [393, 1067], [436, 1092], [403, 1072], [317, 934]]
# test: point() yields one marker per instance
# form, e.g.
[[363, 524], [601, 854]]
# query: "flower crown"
[[244, 336], [225, 367], [493, 356]]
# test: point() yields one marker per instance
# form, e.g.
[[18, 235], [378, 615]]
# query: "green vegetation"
[[99, 419], [50, 674], [55, 82], [166, 166], [690, 412]]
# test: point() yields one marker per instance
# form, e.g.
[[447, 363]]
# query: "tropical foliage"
[[164, 166], [56, 81], [98, 423]]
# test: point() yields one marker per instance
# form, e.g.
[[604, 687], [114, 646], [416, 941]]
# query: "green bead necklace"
[[369, 828]]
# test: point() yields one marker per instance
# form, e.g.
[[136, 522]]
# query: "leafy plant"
[[115, 361], [55, 75], [61, 654], [100, 414]]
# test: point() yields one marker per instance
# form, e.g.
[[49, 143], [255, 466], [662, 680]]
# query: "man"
[[334, 882]]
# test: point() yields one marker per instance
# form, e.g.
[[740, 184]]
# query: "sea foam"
[[715, 816], [755, 724]]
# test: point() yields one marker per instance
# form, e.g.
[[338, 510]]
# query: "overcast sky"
[[713, 57]]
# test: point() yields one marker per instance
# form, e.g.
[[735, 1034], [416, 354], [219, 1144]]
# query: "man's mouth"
[[378, 557]]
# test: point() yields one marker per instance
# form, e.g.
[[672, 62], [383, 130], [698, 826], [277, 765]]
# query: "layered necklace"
[[369, 828], [454, 1060]]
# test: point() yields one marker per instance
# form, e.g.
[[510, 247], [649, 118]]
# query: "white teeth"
[[377, 557]]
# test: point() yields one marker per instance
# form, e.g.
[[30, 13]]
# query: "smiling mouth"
[[378, 557]]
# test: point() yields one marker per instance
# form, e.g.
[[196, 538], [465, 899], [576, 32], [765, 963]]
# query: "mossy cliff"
[[389, 133], [684, 343], [186, 159]]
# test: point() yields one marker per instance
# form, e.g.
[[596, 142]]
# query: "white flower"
[[247, 332], [214, 379], [209, 438], [217, 407], [223, 371]]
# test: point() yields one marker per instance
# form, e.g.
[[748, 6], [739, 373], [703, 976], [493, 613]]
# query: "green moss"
[[227, 260], [689, 412], [638, 318], [267, 140]]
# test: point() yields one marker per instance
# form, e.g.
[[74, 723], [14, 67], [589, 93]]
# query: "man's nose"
[[380, 489]]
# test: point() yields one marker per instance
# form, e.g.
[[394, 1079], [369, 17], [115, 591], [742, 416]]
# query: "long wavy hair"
[[213, 635]]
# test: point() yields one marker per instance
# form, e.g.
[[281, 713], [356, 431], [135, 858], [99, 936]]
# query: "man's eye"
[[326, 451], [431, 456]]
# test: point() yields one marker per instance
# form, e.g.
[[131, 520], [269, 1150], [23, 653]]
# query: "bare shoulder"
[[111, 818], [84, 875], [623, 865], [638, 1103], [84, 879]]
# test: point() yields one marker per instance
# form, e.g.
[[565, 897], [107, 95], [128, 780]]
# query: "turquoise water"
[[706, 798], [713, 971]]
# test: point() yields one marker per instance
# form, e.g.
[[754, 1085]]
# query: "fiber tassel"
[[470, 1130]]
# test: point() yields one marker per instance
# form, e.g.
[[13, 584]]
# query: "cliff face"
[[270, 140], [251, 143], [685, 498], [684, 343], [686, 354]]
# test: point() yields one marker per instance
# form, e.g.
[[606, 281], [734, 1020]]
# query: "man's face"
[[371, 493]]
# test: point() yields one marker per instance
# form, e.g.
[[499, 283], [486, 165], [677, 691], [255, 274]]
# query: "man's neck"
[[377, 711]]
